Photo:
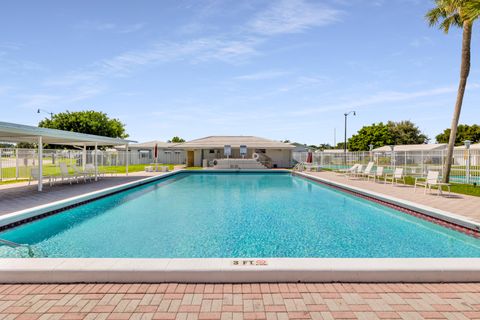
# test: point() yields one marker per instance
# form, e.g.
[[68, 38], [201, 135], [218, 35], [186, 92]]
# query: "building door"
[[190, 158]]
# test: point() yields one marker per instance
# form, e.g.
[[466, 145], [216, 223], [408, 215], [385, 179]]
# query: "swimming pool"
[[224, 215]]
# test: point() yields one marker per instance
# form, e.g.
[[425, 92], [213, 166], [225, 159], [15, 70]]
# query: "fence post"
[[467, 169], [1, 162]]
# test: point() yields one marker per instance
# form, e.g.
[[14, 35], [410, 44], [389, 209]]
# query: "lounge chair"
[[432, 181], [376, 174], [34, 176], [368, 170], [65, 174], [357, 172], [349, 170]]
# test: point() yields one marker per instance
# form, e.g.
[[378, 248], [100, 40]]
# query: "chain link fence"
[[465, 168]]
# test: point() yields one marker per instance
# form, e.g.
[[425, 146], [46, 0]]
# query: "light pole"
[[345, 137], [45, 111]]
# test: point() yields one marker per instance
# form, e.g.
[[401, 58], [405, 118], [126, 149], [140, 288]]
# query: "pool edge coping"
[[414, 206], [222, 270]]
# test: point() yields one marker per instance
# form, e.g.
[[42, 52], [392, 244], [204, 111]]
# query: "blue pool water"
[[204, 215]]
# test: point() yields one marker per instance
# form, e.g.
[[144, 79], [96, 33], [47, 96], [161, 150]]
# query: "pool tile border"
[[439, 217]]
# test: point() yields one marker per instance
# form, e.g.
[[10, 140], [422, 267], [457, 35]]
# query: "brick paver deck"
[[464, 205], [240, 301], [20, 196]]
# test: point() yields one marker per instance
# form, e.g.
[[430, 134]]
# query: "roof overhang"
[[12, 132]]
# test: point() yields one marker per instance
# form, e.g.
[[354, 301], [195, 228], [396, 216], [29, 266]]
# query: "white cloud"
[[383, 97], [108, 26], [263, 75], [292, 16]]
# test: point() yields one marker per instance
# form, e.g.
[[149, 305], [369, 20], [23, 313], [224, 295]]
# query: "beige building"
[[274, 154]]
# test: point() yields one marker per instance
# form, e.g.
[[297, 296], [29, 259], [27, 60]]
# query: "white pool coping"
[[427, 210], [232, 270]]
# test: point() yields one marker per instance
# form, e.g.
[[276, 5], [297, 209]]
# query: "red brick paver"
[[240, 301]]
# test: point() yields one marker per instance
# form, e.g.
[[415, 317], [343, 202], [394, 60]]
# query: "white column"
[[40, 164], [16, 163], [84, 157], [95, 163], [126, 159]]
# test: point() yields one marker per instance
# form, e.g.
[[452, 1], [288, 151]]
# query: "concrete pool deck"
[[458, 204], [278, 301], [20, 196]]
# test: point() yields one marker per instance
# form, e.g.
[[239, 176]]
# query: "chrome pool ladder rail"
[[15, 245]]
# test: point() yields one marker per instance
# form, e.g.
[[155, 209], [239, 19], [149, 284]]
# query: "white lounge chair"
[[368, 170], [357, 172], [349, 170], [396, 176], [34, 176], [432, 181], [376, 174], [65, 174]]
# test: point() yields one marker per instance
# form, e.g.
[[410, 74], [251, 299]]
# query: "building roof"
[[333, 151], [12, 132], [475, 146], [149, 145], [413, 147], [213, 142]]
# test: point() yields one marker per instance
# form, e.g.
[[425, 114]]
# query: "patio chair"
[[65, 174], [396, 176], [432, 180], [90, 168], [34, 176], [376, 174], [81, 173]]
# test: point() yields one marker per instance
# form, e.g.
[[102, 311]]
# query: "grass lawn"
[[467, 189], [54, 170]]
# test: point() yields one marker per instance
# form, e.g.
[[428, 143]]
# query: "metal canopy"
[[12, 132]]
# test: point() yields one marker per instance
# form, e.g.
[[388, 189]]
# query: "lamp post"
[[45, 111], [467, 167], [345, 137]]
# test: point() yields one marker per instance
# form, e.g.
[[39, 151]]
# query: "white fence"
[[465, 168], [17, 163]]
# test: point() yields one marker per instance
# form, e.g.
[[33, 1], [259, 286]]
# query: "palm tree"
[[458, 13]]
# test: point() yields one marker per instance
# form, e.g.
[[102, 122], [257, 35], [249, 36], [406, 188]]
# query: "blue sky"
[[277, 69]]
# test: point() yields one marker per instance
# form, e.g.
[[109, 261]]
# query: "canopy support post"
[[126, 159], [95, 162], [84, 157], [40, 164]]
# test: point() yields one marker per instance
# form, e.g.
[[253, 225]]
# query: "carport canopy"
[[13, 132]]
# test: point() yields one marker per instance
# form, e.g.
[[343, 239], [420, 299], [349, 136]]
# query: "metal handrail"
[[15, 245]]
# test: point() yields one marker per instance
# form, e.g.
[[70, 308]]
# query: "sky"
[[276, 69]]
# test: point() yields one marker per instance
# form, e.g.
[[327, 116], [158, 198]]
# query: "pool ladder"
[[15, 245]]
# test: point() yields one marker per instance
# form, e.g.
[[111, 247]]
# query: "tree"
[[446, 14], [378, 134], [90, 122], [176, 140], [406, 132], [464, 132]]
